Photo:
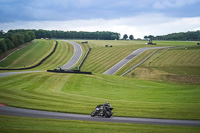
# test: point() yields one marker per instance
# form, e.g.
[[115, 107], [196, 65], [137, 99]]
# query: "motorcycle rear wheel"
[[108, 114]]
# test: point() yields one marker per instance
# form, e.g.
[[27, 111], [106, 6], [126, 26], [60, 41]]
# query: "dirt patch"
[[184, 79], [148, 74], [158, 75]]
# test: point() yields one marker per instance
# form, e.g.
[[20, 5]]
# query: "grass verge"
[[32, 125]]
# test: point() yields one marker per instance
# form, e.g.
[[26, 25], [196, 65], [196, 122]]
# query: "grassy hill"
[[178, 65], [62, 55], [131, 97], [101, 58], [34, 53], [29, 55], [178, 61], [81, 93]]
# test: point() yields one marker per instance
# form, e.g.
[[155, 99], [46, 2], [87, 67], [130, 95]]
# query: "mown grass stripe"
[[77, 93], [31, 54], [62, 55]]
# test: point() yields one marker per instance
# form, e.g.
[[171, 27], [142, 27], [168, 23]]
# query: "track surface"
[[12, 73], [77, 55], [11, 111], [123, 62]]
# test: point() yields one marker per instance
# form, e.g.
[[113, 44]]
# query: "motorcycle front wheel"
[[93, 114]]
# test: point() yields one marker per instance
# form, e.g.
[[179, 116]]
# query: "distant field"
[[120, 43], [32, 125], [82, 93], [102, 58], [29, 55], [175, 43]]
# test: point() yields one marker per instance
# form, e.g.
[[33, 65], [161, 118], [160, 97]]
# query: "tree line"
[[98, 35], [12, 40], [182, 36]]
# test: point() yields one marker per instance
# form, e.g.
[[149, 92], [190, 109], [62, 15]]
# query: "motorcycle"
[[103, 110]]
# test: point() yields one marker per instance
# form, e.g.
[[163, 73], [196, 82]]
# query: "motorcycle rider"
[[103, 110], [107, 106]]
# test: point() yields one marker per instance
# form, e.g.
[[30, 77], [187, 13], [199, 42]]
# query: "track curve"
[[12, 111], [75, 58]]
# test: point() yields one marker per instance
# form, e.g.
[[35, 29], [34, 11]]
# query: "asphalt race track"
[[11, 111], [12, 73], [123, 62], [77, 55]]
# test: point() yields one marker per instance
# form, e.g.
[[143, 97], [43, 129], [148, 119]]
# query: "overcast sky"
[[136, 17]]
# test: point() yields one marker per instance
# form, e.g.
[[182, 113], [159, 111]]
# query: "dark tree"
[[9, 43], [2, 34], [32, 35], [15, 38], [125, 36], [27, 37], [131, 37], [3, 46]]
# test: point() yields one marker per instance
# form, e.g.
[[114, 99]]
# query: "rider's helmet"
[[106, 103]]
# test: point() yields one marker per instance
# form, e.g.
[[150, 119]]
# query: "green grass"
[[176, 43], [102, 58], [62, 55], [182, 62], [178, 61], [81, 93], [102, 43], [134, 61], [1, 39], [32, 125], [29, 55]]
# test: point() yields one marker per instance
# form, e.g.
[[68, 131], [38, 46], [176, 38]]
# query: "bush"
[[1, 51], [9, 43], [3, 46]]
